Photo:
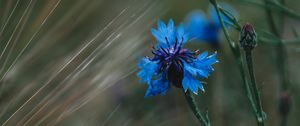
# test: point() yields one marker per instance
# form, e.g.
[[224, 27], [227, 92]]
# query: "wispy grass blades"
[[6, 21], [110, 115], [28, 43], [38, 49], [16, 33], [84, 90], [44, 43], [92, 74], [4, 13], [15, 60]]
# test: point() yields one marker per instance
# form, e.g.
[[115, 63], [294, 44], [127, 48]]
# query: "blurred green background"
[[74, 63]]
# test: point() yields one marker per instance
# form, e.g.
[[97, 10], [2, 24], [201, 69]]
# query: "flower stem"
[[260, 116], [238, 58], [236, 51], [281, 52], [192, 104], [283, 121]]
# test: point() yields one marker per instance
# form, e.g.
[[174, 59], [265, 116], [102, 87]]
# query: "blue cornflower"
[[173, 65], [206, 29]]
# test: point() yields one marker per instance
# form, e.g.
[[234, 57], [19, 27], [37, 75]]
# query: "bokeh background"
[[74, 63]]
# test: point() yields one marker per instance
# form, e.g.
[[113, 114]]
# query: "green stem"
[[260, 117], [247, 87], [280, 47], [293, 41], [236, 51], [275, 6], [270, 20], [231, 44], [281, 17], [281, 53], [283, 121], [193, 105]]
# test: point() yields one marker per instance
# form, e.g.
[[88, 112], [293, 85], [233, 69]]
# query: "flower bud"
[[284, 103], [248, 37]]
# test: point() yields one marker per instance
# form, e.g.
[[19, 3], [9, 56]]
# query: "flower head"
[[285, 103], [207, 29], [172, 64], [248, 37]]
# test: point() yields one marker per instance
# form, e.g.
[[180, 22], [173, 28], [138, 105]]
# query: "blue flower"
[[206, 29], [173, 65]]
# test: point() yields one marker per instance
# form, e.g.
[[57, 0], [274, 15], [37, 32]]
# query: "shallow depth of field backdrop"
[[74, 63]]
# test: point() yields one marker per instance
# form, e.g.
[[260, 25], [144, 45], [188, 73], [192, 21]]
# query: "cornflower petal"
[[159, 86], [148, 69], [207, 29], [172, 64], [189, 82]]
